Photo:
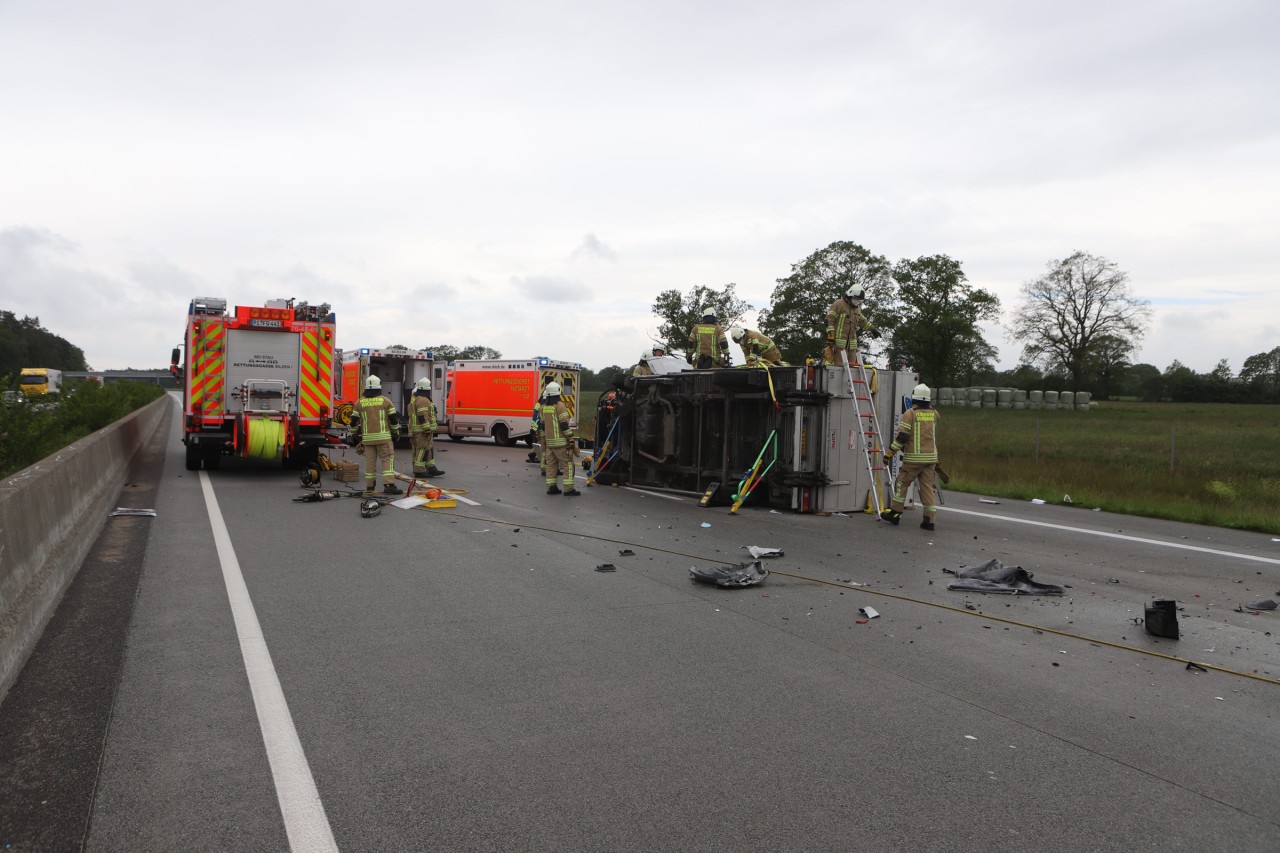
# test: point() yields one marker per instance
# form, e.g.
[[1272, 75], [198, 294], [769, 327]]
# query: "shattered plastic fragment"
[[1265, 604], [1037, 500], [758, 552], [869, 612], [626, 552], [987, 501], [606, 567], [995, 577], [128, 510], [706, 524]]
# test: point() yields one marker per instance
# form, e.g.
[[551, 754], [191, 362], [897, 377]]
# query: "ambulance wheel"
[[501, 436]]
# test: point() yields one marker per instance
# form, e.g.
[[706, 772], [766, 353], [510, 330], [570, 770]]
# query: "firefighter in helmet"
[[757, 348], [557, 429], [844, 321], [422, 430], [917, 438], [707, 344], [375, 426]]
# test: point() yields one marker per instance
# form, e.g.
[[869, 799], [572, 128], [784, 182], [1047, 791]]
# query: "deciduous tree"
[[1082, 300], [797, 317], [935, 329]]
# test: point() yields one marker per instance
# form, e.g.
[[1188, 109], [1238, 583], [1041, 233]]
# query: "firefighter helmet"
[[423, 384], [708, 316], [856, 293], [658, 349], [922, 393], [370, 508], [736, 332], [552, 389], [373, 383]]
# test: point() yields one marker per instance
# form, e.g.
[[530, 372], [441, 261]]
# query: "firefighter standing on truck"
[[917, 438], [557, 427], [422, 430], [374, 428], [757, 348], [707, 344], [844, 321]]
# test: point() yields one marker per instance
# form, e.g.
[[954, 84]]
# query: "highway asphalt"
[[465, 679]]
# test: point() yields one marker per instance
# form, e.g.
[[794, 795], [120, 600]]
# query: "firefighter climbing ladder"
[[868, 423]]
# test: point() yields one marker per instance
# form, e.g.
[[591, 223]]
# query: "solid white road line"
[[654, 494], [1109, 535], [304, 817]]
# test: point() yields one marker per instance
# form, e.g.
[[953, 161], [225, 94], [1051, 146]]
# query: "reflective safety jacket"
[[708, 339], [642, 369], [555, 424], [376, 419], [844, 321], [422, 415], [756, 345], [917, 436]]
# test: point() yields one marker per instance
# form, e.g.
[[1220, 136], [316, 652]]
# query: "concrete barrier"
[[50, 515]]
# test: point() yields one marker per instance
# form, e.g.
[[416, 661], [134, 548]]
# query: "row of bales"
[[1012, 398]]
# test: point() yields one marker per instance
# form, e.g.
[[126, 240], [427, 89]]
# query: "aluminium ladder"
[[868, 422]]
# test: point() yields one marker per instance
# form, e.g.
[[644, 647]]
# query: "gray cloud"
[[546, 288], [593, 247]]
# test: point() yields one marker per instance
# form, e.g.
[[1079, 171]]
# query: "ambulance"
[[399, 368], [494, 398]]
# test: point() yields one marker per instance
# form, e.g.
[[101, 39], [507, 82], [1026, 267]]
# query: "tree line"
[[25, 343], [1079, 324]]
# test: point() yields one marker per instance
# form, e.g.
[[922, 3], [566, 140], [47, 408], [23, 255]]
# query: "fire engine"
[[257, 382], [495, 397], [399, 368]]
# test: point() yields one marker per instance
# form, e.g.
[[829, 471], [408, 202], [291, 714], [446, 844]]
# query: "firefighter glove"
[[888, 459], [831, 337], [874, 332]]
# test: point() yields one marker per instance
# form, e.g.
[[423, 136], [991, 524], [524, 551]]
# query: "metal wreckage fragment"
[[744, 574]]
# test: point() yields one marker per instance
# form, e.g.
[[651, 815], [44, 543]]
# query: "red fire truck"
[[258, 382]]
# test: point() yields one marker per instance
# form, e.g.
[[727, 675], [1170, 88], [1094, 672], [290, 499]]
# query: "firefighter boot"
[[927, 524], [572, 493], [553, 490], [421, 474], [392, 489], [433, 471], [891, 515]]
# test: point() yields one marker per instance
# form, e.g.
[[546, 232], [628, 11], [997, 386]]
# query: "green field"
[[1207, 463]]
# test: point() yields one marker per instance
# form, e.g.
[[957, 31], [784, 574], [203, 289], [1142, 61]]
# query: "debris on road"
[[994, 576], [744, 574], [626, 552], [1265, 604], [758, 552], [150, 513], [606, 567], [1162, 618], [869, 612]]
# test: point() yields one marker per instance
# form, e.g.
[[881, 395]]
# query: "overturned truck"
[[795, 436]]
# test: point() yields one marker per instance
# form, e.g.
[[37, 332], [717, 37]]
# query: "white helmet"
[[658, 349], [552, 389], [922, 393], [423, 384], [736, 332], [856, 293], [373, 383]]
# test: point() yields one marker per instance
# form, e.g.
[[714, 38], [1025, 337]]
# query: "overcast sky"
[[530, 175]]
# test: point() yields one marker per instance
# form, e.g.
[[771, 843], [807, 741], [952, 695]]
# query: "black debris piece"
[[1162, 618], [995, 577], [1195, 667], [626, 552], [1265, 604], [744, 574], [606, 567]]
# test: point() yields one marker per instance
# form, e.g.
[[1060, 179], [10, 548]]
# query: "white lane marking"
[[461, 498], [304, 817], [1124, 536], [654, 494]]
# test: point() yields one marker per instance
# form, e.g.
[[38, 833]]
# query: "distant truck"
[[35, 381], [494, 398], [399, 368]]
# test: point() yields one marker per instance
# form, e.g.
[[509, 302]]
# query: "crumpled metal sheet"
[[994, 576], [744, 574]]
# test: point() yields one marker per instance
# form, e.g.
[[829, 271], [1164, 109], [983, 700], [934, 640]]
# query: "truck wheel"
[[501, 436], [194, 457], [453, 437]]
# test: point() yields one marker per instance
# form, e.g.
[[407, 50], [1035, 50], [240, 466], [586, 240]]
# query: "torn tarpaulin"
[[994, 576], [744, 574]]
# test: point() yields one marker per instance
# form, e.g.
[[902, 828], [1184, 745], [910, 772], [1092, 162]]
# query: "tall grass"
[[1206, 463]]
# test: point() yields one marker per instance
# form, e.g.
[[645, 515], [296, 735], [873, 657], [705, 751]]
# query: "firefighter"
[[422, 430], [642, 367], [757, 348], [707, 344], [557, 429], [540, 455], [374, 428], [917, 438], [844, 321]]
